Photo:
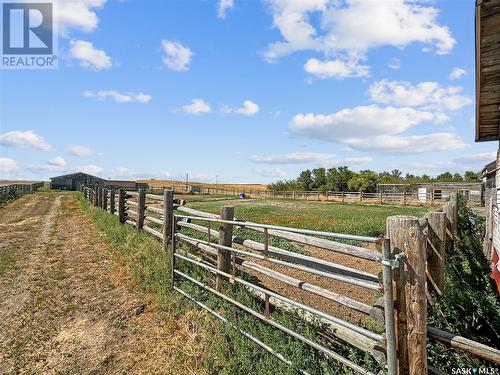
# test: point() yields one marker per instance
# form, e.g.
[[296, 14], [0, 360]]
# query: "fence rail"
[[430, 198], [411, 257], [13, 191]]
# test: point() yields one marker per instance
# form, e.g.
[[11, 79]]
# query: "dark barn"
[[74, 181]]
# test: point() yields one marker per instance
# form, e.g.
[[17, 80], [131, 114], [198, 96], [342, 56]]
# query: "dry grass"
[[162, 183]]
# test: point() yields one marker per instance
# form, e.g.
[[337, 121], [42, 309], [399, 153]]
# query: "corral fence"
[[13, 191], [410, 257], [431, 197]]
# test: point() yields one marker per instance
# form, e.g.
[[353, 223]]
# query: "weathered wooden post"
[[436, 236], [406, 236], [99, 196], [141, 208], [104, 199], [361, 196], [381, 198], [112, 196], [168, 217], [450, 209], [122, 217], [225, 239]]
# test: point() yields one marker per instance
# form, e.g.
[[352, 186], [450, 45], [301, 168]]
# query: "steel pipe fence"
[[386, 260]]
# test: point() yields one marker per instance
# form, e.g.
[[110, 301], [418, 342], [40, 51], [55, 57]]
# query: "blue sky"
[[249, 91]]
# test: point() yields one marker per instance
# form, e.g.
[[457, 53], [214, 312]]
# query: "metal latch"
[[394, 263]]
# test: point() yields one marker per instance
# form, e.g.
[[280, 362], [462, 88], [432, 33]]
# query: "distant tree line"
[[343, 179]]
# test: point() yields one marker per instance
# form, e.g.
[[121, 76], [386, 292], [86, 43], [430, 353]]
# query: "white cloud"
[[359, 121], [427, 95], [89, 56], [395, 64], [223, 6], [457, 73], [336, 68], [481, 157], [118, 97], [58, 161], [8, 166], [374, 128], [24, 139], [46, 167], [92, 169], [434, 166], [177, 57], [249, 109], [348, 29], [323, 159], [196, 107], [293, 158], [409, 144], [272, 172], [79, 150], [78, 15], [469, 162]]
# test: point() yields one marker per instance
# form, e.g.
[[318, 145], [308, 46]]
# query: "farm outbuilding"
[[488, 117], [74, 181], [436, 190]]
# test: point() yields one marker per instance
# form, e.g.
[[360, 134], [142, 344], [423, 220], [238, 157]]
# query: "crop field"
[[368, 220]]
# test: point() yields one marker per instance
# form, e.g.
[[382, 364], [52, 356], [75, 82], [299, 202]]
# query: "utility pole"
[[216, 178]]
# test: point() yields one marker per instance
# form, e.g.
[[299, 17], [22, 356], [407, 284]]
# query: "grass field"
[[368, 220]]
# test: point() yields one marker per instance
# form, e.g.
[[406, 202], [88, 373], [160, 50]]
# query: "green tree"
[[471, 176], [444, 177], [338, 178], [305, 180], [319, 179], [364, 181]]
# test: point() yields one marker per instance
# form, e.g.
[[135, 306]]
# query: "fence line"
[[13, 191], [412, 260], [403, 198]]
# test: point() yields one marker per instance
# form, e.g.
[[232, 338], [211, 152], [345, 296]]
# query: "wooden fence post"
[[121, 206], [168, 217], [99, 196], [141, 208], [436, 237], [361, 196], [104, 199], [406, 236], [112, 196], [450, 209], [225, 239]]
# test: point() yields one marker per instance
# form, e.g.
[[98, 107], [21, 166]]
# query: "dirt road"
[[66, 307]]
